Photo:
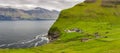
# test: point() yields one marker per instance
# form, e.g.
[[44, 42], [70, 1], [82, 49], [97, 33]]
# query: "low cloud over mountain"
[[33, 14], [48, 4]]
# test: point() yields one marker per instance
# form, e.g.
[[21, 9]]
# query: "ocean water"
[[20, 34]]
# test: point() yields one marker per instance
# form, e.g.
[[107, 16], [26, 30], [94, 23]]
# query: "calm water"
[[14, 31]]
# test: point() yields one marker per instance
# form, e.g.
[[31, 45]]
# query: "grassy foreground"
[[90, 18]]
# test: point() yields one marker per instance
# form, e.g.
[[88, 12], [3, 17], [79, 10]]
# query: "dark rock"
[[106, 32], [106, 37], [84, 39], [77, 30], [110, 3], [88, 35], [54, 33], [97, 35]]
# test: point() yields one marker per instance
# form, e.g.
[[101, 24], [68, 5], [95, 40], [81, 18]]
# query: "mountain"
[[7, 13], [89, 27]]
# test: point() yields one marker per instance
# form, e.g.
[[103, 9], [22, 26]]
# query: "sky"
[[47, 4]]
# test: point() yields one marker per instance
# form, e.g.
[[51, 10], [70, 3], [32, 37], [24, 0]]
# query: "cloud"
[[48, 4]]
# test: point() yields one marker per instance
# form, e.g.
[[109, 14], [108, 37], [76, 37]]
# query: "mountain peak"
[[39, 8]]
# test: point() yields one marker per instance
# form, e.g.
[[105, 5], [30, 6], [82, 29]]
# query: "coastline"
[[36, 41]]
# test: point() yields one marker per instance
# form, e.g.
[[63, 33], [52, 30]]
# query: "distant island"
[[13, 14]]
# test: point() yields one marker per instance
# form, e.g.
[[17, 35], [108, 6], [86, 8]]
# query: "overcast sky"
[[48, 4]]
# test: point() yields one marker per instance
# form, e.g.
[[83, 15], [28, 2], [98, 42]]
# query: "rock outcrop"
[[105, 3], [54, 33], [110, 3]]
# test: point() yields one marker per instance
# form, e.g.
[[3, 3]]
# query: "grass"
[[89, 17]]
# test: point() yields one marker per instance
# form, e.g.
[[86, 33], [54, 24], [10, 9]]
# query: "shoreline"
[[36, 41]]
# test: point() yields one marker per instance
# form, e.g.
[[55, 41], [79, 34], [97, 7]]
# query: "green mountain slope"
[[91, 18], [90, 27]]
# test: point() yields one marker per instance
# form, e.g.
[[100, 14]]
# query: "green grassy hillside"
[[97, 31]]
